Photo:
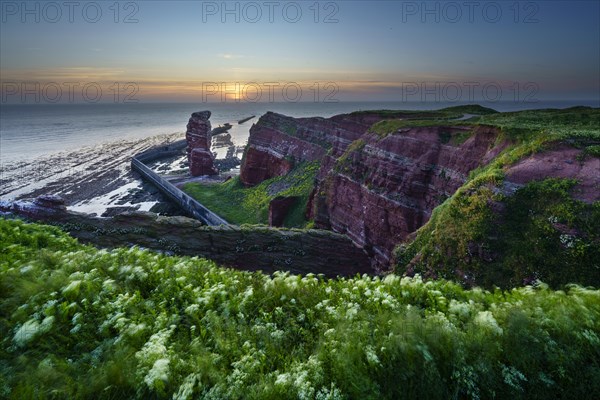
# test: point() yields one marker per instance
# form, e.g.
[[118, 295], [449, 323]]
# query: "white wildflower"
[[72, 289], [567, 240], [26, 332], [372, 358], [331, 393], [192, 309], [278, 334], [391, 279], [158, 372], [134, 329], [459, 309], [283, 379], [46, 324], [26, 268], [155, 347], [186, 390], [108, 285], [485, 319]]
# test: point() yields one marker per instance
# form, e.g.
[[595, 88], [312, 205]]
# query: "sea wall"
[[188, 204]]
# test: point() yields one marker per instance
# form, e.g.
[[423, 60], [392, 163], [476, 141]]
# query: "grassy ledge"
[[241, 205]]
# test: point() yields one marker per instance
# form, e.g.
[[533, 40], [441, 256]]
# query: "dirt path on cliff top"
[[89, 179]]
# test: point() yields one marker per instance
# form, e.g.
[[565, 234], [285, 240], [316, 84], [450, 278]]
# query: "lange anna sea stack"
[[198, 138]]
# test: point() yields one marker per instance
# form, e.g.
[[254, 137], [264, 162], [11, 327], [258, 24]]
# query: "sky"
[[303, 50]]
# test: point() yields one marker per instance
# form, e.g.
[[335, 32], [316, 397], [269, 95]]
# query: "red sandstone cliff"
[[198, 137], [378, 190], [383, 189], [276, 142]]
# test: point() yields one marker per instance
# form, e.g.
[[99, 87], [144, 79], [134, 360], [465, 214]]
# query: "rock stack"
[[198, 138]]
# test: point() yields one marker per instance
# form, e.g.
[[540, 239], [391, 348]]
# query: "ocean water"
[[28, 131]]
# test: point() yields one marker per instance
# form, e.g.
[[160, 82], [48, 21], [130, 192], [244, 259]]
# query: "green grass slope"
[[81, 323], [241, 205]]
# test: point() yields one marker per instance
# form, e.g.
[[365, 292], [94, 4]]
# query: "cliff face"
[[383, 189], [198, 137], [380, 186], [277, 141], [376, 190]]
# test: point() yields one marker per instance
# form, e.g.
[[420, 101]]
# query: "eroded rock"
[[198, 137]]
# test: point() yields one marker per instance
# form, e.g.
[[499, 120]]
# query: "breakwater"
[[188, 204]]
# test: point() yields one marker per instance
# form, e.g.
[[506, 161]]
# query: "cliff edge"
[[396, 183]]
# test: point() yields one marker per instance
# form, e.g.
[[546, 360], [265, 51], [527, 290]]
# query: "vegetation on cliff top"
[[443, 117], [241, 205], [577, 125], [77, 322], [443, 113], [475, 109], [571, 124]]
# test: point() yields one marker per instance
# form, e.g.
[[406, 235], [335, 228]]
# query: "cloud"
[[228, 56], [64, 74]]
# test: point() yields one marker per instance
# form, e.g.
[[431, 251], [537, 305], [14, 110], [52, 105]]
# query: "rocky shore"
[[94, 180]]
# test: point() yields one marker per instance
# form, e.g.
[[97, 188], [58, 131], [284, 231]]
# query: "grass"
[[447, 113], [576, 124], [442, 117], [241, 205], [344, 162], [81, 323], [475, 109]]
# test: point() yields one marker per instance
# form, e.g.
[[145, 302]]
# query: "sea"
[[31, 130]]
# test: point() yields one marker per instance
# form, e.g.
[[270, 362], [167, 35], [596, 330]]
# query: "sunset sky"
[[386, 50]]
